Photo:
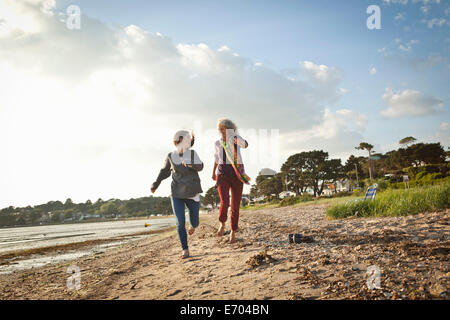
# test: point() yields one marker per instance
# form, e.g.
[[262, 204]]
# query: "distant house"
[[259, 198], [343, 185], [86, 216], [267, 172], [339, 186], [45, 218], [286, 194]]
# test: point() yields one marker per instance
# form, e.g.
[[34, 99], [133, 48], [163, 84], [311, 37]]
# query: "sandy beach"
[[411, 253]]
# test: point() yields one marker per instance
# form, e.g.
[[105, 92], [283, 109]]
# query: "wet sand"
[[412, 254], [31, 247], [25, 238]]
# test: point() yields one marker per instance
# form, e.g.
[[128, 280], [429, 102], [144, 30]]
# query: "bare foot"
[[221, 230], [185, 254], [232, 236], [191, 231]]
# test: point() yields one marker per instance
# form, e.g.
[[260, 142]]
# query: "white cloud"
[[401, 52], [441, 136], [424, 9], [343, 90], [320, 72], [91, 112], [402, 46], [425, 2], [337, 133], [428, 62], [403, 2], [438, 22], [409, 103], [408, 45], [401, 16]]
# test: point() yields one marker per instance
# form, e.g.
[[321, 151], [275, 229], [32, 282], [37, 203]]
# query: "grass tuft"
[[396, 203]]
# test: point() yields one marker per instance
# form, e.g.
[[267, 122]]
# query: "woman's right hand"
[[152, 189], [214, 177]]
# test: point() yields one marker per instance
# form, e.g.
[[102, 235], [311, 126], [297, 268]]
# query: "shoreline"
[[7, 255], [411, 253], [89, 221]]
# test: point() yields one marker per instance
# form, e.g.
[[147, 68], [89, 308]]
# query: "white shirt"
[[196, 197], [218, 154]]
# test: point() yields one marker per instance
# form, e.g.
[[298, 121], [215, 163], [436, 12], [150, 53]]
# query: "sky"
[[90, 112]]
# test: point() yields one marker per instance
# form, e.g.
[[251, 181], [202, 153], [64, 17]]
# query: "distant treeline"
[[54, 212], [421, 162]]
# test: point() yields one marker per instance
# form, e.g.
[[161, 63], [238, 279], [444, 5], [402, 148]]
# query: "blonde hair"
[[227, 123], [183, 134]]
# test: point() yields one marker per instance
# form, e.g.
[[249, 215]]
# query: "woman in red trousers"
[[230, 174]]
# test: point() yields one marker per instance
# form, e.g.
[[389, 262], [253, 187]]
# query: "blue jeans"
[[178, 208]]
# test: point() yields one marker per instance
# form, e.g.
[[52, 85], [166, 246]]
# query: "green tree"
[[68, 204], [211, 197], [108, 209], [253, 191], [426, 153], [353, 167], [315, 170], [271, 186], [369, 148], [7, 219], [56, 217], [34, 216], [406, 141], [263, 175], [334, 171], [292, 173]]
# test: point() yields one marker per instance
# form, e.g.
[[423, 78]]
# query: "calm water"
[[12, 239], [44, 236]]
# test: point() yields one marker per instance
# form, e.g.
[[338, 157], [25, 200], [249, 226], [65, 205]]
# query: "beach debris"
[[295, 296], [299, 238], [306, 275], [205, 292], [174, 293], [133, 286], [259, 259]]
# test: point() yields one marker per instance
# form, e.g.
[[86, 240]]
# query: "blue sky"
[[282, 33], [96, 107]]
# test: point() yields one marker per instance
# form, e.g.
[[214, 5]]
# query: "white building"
[[286, 194]]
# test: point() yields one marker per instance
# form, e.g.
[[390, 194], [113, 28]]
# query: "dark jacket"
[[185, 180]]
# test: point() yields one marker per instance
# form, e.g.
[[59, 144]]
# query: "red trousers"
[[224, 184]]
